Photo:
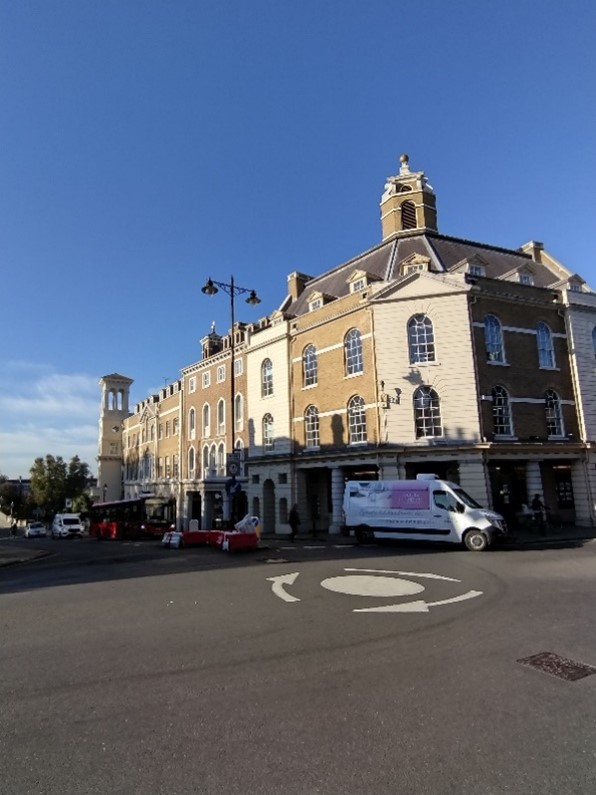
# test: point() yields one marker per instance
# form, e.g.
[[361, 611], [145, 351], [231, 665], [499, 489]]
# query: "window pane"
[[267, 378], [356, 420], [427, 413], [311, 420], [493, 336], [554, 419], [421, 339], [501, 412], [546, 356], [353, 352], [309, 364]]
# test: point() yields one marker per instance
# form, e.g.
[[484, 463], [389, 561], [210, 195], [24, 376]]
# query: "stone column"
[[337, 497], [583, 480], [533, 481], [473, 478]]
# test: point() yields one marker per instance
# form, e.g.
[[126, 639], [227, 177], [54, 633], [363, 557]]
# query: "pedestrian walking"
[[538, 509], [13, 529], [294, 521]]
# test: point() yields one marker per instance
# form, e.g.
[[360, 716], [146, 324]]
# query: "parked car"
[[35, 530], [67, 525]]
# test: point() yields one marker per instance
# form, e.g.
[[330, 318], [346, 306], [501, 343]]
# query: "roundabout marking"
[[374, 583], [367, 585]]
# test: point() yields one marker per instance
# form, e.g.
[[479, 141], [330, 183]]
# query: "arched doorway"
[[268, 517]]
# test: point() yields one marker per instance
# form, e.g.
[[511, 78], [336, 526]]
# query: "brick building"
[[426, 353]]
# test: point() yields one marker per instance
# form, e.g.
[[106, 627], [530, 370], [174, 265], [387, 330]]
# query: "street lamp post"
[[232, 289]]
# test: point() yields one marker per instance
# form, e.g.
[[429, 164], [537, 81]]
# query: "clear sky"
[[146, 145]]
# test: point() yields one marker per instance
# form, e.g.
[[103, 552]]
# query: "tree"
[[53, 481]]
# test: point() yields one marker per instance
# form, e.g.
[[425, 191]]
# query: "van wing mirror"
[[460, 508]]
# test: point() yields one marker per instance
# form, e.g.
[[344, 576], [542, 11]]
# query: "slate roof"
[[445, 252]]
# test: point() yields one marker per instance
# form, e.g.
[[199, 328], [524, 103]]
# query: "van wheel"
[[363, 534], [476, 540]]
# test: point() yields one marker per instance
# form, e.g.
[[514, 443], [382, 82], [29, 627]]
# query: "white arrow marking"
[[406, 574], [278, 586], [417, 607]]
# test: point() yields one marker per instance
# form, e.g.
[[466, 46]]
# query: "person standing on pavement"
[[538, 511], [13, 529], [294, 521]]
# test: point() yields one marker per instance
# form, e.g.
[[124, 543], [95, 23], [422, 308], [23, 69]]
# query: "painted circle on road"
[[367, 585]]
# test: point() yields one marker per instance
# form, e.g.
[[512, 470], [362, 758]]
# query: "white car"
[[35, 530]]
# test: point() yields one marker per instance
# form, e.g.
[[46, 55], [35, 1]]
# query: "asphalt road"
[[140, 670]]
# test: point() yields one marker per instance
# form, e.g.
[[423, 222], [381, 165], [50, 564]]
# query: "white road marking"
[[278, 586], [319, 546], [366, 585], [419, 606], [406, 574]]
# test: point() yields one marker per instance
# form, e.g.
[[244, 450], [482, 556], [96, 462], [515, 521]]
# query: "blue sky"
[[145, 146]]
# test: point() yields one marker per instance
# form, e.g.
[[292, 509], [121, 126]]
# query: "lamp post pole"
[[211, 287]]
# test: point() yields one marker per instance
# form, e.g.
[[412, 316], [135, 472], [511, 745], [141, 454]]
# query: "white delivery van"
[[425, 509], [67, 525]]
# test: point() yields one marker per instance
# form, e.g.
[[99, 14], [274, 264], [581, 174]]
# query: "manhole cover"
[[558, 666]]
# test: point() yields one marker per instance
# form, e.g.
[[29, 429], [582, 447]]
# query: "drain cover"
[[553, 664]]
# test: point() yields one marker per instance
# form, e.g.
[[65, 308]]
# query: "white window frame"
[[501, 411], [357, 430], [221, 373], [427, 413], [353, 353], [192, 384], [221, 417], [206, 379], [546, 348]]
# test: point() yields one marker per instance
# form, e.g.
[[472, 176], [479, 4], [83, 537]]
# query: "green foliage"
[[53, 481]]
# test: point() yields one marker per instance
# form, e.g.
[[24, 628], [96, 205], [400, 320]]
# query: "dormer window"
[[575, 287], [316, 304], [358, 285], [418, 266], [526, 278], [414, 264], [476, 270]]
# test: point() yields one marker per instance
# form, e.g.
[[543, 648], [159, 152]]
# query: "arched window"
[[544, 339], [206, 420], [192, 424], [221, 460], [239, 412], [212, 458], [502, 424], [309, 366], [266, 378], [191, 462], [239, 447], [221, 417], [311, 427], [421, 340], [408, 215], [356, 421], [206, 461], [554, 416], [268, 432], [427, 412], [493, 336], [353, 352]]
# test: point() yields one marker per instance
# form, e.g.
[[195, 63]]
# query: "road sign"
[[233, 463]]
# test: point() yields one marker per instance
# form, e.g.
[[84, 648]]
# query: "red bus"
[[144, 516]]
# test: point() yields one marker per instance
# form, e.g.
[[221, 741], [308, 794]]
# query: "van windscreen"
[[466, 499]]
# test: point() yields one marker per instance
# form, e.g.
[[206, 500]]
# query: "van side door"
[[444, 511]]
